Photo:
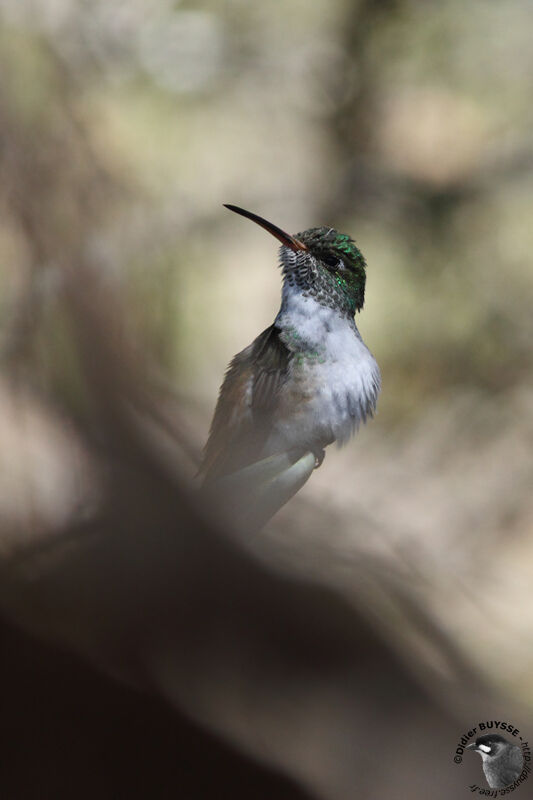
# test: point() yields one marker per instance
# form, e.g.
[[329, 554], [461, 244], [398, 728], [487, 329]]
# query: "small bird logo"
[[503, 761], [309, 379]]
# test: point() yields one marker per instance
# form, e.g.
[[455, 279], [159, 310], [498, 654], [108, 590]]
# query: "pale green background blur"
[[124, 126]]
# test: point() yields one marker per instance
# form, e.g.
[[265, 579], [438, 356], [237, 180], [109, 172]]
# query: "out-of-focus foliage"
[[123, 128]]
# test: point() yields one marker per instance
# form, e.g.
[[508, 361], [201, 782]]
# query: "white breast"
[[332, 370]]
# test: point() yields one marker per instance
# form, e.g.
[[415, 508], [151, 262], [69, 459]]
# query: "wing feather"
[[246, 405]]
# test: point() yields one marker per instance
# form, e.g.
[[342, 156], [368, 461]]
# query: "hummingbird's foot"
[[319, 457]]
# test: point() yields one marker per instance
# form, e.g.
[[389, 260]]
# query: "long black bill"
[[284, 238]]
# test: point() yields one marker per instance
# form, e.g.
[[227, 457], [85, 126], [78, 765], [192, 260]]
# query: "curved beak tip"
[[285, 238]]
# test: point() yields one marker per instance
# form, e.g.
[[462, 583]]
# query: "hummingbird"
[[308, 380]]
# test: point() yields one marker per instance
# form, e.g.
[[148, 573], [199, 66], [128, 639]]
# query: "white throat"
[[340, 371], [316, 326]]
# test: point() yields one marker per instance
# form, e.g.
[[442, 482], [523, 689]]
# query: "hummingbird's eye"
[[332, 261]]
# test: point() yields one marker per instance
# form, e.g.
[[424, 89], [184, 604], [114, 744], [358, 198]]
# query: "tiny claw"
[[319, 457]]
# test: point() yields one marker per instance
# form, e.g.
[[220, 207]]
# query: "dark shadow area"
[[70, 732]]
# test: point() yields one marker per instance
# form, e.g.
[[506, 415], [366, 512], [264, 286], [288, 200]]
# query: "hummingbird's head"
[[332, 268], [321, 263]]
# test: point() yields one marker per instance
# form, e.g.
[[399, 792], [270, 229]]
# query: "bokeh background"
[[124, 126]]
